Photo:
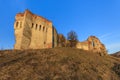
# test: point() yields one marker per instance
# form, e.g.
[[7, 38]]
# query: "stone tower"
[[34, 32]]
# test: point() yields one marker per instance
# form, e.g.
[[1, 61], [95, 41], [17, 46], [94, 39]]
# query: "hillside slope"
[[56, 64], [117, 54]]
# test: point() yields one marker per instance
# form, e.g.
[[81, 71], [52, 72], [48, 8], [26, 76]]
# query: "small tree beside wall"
[[73, 38]]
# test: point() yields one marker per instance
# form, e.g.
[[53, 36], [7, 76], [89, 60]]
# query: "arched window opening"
[[32, 25], [17, 24], [40, 27], [36, 26]]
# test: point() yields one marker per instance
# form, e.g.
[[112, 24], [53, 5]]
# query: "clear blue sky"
[[87, 17]]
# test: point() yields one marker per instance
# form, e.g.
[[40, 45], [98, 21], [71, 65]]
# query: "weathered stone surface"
[[93, 44], [34, 32], [83, 45], [61, 41]]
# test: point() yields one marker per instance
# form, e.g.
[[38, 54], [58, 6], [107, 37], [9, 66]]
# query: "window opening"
[[43, 28], [93, 44], [40, 27], [17, 24], [32, 25], [36, 26]]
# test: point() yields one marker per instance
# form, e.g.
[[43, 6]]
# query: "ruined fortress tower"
[[34, 32]]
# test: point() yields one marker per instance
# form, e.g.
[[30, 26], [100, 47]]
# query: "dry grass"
[[56, 64]]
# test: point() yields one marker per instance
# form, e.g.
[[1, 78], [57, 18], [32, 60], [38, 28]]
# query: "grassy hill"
[[57, 64]]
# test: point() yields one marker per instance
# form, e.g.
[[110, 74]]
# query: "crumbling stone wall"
[[61, 41], [82, 45], [92, 44], [34, 32], [18, 28], [95, 44], [55, 37]]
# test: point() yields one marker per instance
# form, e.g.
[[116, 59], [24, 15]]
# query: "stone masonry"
[[92, 44], [35, 32]]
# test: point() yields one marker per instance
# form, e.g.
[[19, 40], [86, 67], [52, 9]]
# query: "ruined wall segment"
[[92, 44], [95, 44], [55, 37], [83, 45], [36, 32], [18, 28], [62, 41]]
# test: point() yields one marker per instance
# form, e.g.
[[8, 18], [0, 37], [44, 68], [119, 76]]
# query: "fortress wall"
[[82, 45], [32, 31], [92, 44], [18, 30], [62, 42], [55, 37], [41, 31], [36, 32], [26, 39], [49, 39], [95, 44]]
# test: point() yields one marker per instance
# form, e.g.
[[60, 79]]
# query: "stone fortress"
[[35, 32]]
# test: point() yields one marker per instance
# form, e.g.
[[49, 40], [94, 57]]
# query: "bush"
[[72, 38]]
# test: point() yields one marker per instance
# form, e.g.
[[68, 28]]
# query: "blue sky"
[[86, 17]]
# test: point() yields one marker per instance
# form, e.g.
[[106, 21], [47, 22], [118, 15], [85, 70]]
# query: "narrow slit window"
[[32, 25], [40, 27], [93, 44], [36, 26], [43, 28], [17, 24]]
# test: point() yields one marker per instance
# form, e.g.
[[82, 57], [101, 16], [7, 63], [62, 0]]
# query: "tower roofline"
[[35, 15]]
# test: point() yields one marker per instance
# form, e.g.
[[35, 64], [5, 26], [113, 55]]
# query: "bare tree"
[[72, 37]]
